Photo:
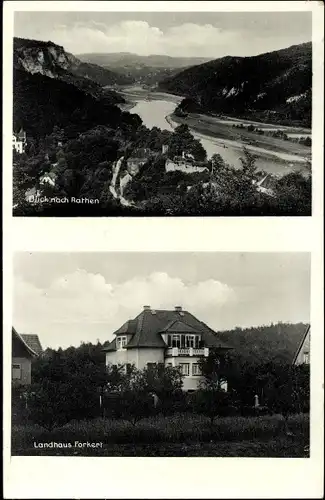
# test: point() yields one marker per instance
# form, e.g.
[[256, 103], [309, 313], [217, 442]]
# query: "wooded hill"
[[275, 86], [52, 88], [264, 344]]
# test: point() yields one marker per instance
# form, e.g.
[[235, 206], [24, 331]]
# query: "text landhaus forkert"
[[76, 444]]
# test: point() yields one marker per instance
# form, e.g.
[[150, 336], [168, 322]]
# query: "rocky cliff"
[[53, 88], [51, 60]]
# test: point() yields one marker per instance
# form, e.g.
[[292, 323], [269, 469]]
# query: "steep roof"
[[20, 338], [51, 175], [176, 326], [33, 342], [109, 346], [21, 134], [267, 182], [301, 344], [147, 327]]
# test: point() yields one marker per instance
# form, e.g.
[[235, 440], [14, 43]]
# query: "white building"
[[19, 141], [173, 338], [185, 164], [48, 178]]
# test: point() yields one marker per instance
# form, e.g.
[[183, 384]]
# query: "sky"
[[197, 34], [67, 298]]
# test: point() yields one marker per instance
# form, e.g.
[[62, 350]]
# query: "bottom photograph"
[[161, 354]]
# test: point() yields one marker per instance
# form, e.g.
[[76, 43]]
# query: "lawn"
[[177, 435]]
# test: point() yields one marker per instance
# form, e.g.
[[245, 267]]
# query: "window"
[[176, 341], [121, 342], [185, 368], [192, 341], [196, 369], [306, 357], [16, 372]]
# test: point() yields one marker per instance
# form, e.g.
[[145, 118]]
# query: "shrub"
[[213, 403]]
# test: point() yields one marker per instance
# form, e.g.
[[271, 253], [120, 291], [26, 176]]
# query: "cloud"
[[140, 37], [83, 306]]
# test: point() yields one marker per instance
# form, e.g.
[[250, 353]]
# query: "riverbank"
[[214, 128], [218, 136]]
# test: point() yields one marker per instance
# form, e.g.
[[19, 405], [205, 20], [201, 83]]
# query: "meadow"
[[176, 435]]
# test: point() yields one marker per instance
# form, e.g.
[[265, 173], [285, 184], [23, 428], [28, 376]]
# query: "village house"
[[302, 355], [185, 163], [19, 141], [25, 348], [169, 337], [48, 178], [266, 185]]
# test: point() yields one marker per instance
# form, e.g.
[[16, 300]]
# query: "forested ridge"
[[275, 86]]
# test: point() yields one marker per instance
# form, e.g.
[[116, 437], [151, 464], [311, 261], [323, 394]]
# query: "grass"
[[179, 435]]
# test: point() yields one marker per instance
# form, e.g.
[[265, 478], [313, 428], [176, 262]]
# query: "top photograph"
[[155, 114]]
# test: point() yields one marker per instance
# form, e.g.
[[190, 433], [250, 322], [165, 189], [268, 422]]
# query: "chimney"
[[178, 308], [146, 308]]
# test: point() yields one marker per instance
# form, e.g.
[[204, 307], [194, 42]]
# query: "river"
[[154, 112]]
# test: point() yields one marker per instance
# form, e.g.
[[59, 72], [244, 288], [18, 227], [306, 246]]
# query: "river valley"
[[272, 155]]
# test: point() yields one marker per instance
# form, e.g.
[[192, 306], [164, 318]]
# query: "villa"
[[169, 337]]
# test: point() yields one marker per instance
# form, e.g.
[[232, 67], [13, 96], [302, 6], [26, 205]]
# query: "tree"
[[130, 393], [183, 141], [65, 385], [165, 382], [248, 165], [214, 397], [213, 403], [216, 369]]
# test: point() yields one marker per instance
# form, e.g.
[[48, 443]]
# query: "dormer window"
[[176, 340], [306, 357], [121, 342]]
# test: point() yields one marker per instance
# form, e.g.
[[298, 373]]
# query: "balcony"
[[187, 351]]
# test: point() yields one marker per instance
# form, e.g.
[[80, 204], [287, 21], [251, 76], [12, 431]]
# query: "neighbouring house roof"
[[23, 341], [301, 344], [147, 327], [33, 342], [267, 182]]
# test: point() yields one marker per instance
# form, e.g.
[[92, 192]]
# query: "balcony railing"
[[187, 351]]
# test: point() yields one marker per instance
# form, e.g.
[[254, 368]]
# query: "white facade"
[[139, 356], [18, 145], [183, 166], [186, 358]]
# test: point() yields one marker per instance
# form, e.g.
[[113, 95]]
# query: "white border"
[[59, 477]]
